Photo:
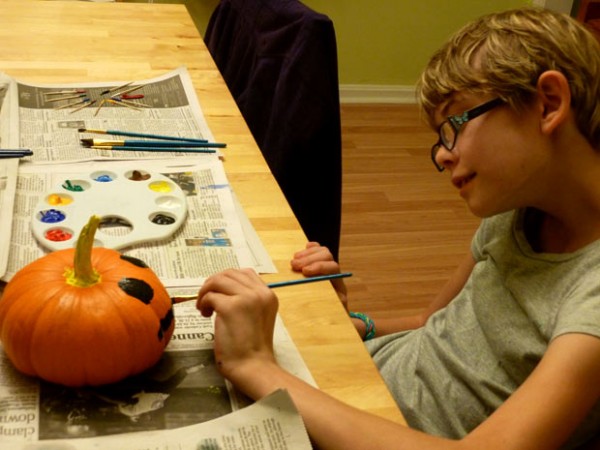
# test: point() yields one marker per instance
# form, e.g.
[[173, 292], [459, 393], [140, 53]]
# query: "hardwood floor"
[[404, 227]]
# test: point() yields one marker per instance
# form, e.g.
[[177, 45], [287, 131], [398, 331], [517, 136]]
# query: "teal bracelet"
[[369, 324]]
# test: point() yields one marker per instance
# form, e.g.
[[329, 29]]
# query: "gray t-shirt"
[[451, 374]]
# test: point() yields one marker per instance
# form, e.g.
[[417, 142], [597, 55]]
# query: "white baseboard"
[[360, 93]]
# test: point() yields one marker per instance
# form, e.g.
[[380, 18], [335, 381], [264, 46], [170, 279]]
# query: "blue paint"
[[104, 178], [52, 216], [215, 186]]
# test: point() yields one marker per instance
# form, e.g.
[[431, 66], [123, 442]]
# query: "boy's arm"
[[540, 415], [453, 286], [546, 409], [450, 290], [317, 260]]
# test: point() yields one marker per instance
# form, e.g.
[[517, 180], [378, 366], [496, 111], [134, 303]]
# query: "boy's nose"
[[446, 158]]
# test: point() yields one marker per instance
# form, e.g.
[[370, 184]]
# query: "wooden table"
[[68, 41]]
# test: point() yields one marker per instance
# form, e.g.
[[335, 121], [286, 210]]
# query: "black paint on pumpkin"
[[135, 261], [165, 323], [138, 289]]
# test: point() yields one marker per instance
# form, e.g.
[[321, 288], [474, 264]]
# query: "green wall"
[[388, 42]]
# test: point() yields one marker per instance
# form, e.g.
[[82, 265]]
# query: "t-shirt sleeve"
[[489, 228], [580, 311]]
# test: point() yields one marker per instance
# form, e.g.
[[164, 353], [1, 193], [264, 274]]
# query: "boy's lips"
[[460, 181]]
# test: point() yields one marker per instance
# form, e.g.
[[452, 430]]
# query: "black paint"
[[138, 289], [165, 323], [134, 261]]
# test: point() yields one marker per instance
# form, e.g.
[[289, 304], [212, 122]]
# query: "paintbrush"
[[114, 102], [129, 143], [140, 135], [127, 91], [108, 91], [69, 105], [124, 102], [154, 149], [79, 108], [68, 97], [276, 284], [15, 153], [70, 91]]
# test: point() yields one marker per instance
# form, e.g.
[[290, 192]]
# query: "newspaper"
[[8, 167], [8, 184], [183, 390], [272, 423], [52, 132], [182, 402], [213, 236]]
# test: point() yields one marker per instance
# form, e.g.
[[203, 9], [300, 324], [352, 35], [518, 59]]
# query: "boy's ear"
[[554, 95]]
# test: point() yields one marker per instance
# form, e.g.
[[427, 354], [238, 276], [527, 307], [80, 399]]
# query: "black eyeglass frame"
[[456, 122]]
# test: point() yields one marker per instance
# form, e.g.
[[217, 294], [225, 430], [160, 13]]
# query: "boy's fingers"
[[321, 268]]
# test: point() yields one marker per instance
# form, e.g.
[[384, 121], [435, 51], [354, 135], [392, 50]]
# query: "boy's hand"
[[245, 318], [317, 260]]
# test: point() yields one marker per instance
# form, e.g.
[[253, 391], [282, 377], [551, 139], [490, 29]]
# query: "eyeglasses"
[[448, 130]]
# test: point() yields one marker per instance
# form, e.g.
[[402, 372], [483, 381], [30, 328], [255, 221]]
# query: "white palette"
[[135, 206]]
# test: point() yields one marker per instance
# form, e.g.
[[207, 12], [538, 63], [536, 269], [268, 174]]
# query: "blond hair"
[[504, 54]]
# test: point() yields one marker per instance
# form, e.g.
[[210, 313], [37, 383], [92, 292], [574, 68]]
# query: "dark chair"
[[279, 60], [589, 14]]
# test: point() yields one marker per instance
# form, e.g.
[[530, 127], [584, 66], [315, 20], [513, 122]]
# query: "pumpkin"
[[85, 316]]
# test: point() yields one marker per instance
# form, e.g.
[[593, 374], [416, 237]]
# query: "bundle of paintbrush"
[[149, 143], [81, 98]]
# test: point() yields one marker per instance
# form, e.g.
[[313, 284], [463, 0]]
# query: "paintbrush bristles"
[[89, 130], [88, 142]]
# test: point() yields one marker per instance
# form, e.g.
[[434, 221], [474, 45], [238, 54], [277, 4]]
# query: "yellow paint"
[[56, 199], [160, 186]]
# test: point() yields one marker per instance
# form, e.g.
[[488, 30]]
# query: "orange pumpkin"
[[85, 316]]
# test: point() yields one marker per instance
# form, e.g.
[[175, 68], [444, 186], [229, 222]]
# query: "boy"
[[508, 354]]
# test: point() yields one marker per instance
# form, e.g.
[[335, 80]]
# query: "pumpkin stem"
[[82, 274]]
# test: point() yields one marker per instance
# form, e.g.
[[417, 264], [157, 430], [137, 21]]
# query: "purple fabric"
[[279, 60]]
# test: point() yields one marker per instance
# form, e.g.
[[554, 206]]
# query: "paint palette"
[[135, 206]]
